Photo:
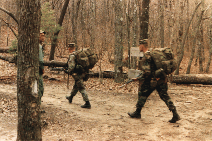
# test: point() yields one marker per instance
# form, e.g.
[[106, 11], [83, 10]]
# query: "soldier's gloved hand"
[[159, 72]]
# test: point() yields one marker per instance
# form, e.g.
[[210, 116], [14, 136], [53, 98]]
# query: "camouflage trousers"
[[146, 89], [41, 88], [79, 86]]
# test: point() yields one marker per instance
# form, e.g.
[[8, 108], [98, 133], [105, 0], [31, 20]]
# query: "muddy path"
[[108, 119]]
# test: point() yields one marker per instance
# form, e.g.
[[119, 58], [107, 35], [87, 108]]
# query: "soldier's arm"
[[146, 66], [71, 63]]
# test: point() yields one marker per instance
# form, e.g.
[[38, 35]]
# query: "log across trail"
[[205, 79]]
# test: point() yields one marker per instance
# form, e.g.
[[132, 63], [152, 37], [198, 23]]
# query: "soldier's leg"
[[162, 90], [41, 88], [73, 92], [82, 90], [84, 95], [85, 98], [143, 94]]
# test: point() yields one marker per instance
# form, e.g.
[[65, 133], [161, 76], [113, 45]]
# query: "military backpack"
[[86, 58], [164, 59]]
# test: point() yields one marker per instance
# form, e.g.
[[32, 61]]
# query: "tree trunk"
[[201, 45], [192, 79], [118, 41], [210, 44], [54, 40], [82, 22], [93, 22], [144, 19], [74, 20], [128, 32], [29, 127], [161, 15], [187, 21], [134, 30], [135, 22], [0, 28], [180, 49], [194, 43], [183, 42]]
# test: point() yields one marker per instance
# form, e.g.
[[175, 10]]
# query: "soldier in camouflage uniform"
[[150, 80], [79, 75], [41, 62]]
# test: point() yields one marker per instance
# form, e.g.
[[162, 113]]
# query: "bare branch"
[[10, 14], [10, 28]]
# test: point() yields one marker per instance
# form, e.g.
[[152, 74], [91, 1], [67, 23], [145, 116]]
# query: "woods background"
[[110, 28], [91, 23]]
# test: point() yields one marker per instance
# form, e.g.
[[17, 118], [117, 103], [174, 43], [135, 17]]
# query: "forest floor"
[[108, 119]]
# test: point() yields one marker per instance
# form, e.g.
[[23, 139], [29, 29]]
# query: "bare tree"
[[194, 43], [55, 37], [134, 4], [128, 21], [118, 55], [92, 22], [161, 15], [144, 19], [75, 12], [29, 127], [201, 44], [210, 43], [180, 58], [0, 28]]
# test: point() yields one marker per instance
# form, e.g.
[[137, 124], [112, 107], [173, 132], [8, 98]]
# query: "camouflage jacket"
[[73, 67], [71, 63], [148, 68], [41, 62]]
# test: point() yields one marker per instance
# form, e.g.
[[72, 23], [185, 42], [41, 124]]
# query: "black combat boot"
[[175, 117], [69, 98], [86, 105], [136, 114]]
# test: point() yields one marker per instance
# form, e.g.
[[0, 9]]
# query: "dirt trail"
[[108, 119]]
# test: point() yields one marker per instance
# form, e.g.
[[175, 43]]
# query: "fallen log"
[[205, 79], [4, 49], [106, 74], [55, 64], [8, 58], [52, 63]]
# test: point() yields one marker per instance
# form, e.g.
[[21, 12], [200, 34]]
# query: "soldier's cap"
[[41, 31], [144, 41], [71, 45]]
